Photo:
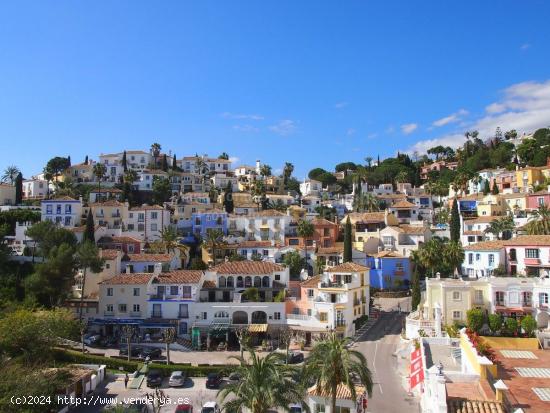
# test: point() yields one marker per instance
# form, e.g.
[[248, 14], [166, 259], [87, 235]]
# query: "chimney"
[[128, 269], [158, 268], [257, 166]]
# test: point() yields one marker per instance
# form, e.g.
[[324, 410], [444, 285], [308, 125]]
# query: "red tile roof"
[[147, 257], [247, 267], [109, 254], [526, 240], [311, 282], [136, 278], [348, 267], [180, 277], [485, 246], [258, 244]]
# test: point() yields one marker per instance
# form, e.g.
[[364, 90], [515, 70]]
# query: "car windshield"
[[212, 376], [207, 410]]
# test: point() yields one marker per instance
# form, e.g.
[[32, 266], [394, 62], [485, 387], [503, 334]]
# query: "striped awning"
[[257, 328]]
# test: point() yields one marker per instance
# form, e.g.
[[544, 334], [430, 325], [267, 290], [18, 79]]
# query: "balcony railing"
[[341, 323], [330, 284], [156, 314], [183, 315], [499, 303]]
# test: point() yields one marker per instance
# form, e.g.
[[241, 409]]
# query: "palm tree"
[[368, 160], [155, 150], [87, 256], [453, 254], [498, 226], [366, 202], [332, 364], [10, 173], [265, 383], [214, 239], [429, 254], [265, 170], [287, 172], [130, 176], [65, 187], [99, 171], [539, 222], [305, 230], [169, 238], [401, 177]]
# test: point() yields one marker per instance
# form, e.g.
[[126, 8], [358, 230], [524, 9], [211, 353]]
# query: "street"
[[379, 346]]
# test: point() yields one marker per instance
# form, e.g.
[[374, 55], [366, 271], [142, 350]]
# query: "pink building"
[[537, 199]]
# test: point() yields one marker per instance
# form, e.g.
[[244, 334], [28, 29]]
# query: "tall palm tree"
[[366, 202], [265, 170], [429, 254], [265, 383], [305, 230], [87, 256], [213, 240], [453, 254], [498, 226], [332, 364], [155, 151], [539, 222], [99, 170], [287, 172], [169, 238], [10, 173]]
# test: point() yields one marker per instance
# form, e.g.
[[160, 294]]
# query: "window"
[[68, 209], [130, 228], [543, 298], [479, 296], [109, 308], [399, 266], [136, 292], [478, 257], [122, 308], [457, 315], [319, 408], [186, 291], [276, 315], [491, 260], [58, 209], [293, 241], [277, 277], [540, 201], [48, 209], [67, 221], [310, 293], [470, 258], [141, 227], [456, 295], [136, 308], [265, 253], [154, 215], [323, 317], [153, 227], [141, 217], [109, 292], [173, 290], [499, 297], [531, 253]]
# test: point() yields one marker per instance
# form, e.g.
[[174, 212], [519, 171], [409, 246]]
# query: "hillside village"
[[208, 249]]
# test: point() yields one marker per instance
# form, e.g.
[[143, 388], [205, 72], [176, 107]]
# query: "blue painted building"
[[468, 207], [389, 270], [209, 220]]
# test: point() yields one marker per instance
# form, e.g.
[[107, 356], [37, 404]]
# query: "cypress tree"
[[86, 160], [347, 241], [19, 189], [495, 188], [415, 295], [486, 188], [164, 165], [455, 222], [174, 164], [89, 233], [124, 162], [69, 160], [228, 198]]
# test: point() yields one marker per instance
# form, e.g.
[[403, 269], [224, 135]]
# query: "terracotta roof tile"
[[180, 277], [485, 246], [135, 278], [247, 267], [342, 392], [109, 203], [258, 244], [348, 267], [474, 406], [109, 254], [60, 198], [147, 208], [413, 229], [322, 221], [404, 204], [481, 220], [147, 257], [525, 240], [311, 282], [208, 284], [388, 254]]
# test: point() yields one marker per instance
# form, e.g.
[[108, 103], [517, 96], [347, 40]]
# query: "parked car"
[[295, 408], [234, 378], [184, 408], [295, 357], [151, 352], [92, 339], [154, 378], [136, 351], [210, 407], [108, 342], [213, 381], [177, 379]]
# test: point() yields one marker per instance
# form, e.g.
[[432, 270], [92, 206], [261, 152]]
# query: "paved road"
[[379, 345]]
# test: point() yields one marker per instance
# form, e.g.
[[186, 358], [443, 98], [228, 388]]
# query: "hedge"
[[72, 356]]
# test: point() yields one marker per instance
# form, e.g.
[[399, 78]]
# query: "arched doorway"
[[240, 317], [259, 317], [542, 319]]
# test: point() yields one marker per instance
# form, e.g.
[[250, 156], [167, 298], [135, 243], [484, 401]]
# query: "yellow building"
[[491, 205], [529, 177], [110, 214], [514, 203]]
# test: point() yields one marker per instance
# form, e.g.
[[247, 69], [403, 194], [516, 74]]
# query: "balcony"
[[156, 314], [330, 284], [532, 261], [356, 302], [135, 313], [183, 315], [499, 303], [115, 215]]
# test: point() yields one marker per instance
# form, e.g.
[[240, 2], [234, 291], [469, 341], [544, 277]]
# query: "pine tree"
[[19, 189], [124, 162], [495, 188], [455, 222], [228, 198], [486, 188], [164, 165], [347, 241], [89, 233], [415, 295]]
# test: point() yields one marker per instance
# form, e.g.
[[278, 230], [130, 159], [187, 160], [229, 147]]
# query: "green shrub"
[[511, 326], [495, 323], [71, 356], [475, 319], [529, 325]]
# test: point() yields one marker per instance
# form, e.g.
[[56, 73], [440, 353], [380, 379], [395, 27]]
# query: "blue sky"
[[310, 82]]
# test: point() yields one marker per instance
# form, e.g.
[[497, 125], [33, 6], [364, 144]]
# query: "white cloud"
[[246, 128], [452, 118], [350, 132], [409, 128], [341, 105], [233, 159], [525, 46], [524, 106], [284, 127], [229, 115]]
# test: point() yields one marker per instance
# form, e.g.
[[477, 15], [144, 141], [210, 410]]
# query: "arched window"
[[248, 281], [265, 281], [222, 282], [257, 282], [230, 281], [221, 314], [240, 282]]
